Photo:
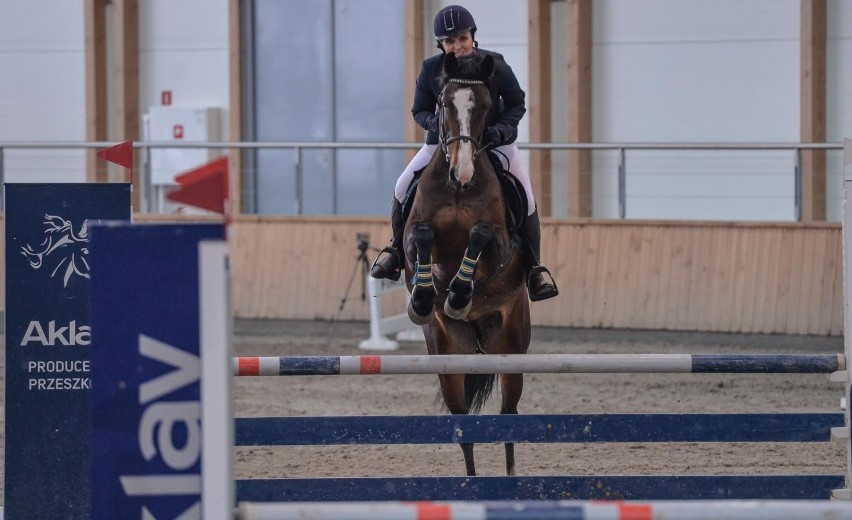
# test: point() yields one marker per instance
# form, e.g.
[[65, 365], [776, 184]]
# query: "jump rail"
[[445, 429], [539, 363], [449, 429], [674, 509], [441, 429], [579, 487]]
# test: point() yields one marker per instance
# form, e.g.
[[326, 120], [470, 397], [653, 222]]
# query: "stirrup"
[[540, 269], [393, 275]]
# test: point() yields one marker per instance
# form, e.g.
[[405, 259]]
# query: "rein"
[[446, 139]]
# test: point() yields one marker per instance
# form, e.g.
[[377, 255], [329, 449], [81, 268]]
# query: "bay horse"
[[463, 268]]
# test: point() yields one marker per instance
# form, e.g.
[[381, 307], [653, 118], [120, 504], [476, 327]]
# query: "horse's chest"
[[454, 218], [462, 215]]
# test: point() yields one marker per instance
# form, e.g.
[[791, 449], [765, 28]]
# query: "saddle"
[[514, 197]]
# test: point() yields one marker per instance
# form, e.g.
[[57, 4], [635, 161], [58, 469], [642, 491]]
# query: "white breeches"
[[516, 168]]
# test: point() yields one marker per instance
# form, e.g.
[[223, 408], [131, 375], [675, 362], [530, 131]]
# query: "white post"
[[847, 322], [377, 340], [381, 326], [217, 434]]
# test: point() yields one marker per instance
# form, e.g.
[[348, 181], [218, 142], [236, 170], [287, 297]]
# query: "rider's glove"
[[494, 136], [432, 123]]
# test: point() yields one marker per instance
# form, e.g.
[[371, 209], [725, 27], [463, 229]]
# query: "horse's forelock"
[[468, 68]]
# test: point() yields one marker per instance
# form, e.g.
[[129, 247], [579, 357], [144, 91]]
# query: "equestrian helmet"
[[452, 20]]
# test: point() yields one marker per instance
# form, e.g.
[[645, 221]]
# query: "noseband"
[[446, 139]]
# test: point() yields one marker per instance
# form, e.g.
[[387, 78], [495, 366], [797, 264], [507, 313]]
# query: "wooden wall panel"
[[555, 259], [761, 278], [837, 312], [775, 264], [740, 278], [829, 284], [299, 268]]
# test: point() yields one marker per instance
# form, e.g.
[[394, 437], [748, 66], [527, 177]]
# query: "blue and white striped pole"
[[556, 510], [539, 364]]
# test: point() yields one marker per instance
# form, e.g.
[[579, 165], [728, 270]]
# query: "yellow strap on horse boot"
[[423, 276], [467, 270]]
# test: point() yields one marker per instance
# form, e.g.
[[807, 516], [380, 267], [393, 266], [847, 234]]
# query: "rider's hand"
[[432, 124], [494, 136]]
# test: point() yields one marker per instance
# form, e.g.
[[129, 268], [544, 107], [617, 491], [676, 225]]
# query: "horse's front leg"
[[512, 386], [421, 307], [460, 298], [453, 391]]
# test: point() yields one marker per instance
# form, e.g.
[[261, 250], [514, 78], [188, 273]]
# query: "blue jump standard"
[[449, 429], [677, 487]]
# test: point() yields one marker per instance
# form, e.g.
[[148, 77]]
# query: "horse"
[[463, 266]]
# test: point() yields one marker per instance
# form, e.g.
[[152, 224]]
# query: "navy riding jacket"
[[507, 100]]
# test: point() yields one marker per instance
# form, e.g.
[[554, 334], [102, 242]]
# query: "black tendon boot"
[[539, 288], [390, 266]]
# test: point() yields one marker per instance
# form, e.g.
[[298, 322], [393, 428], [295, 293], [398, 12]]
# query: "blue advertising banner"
[[48, 335], [146, 409]]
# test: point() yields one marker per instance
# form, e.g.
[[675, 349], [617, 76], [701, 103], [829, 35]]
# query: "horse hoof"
[[457, 314], [418, 319]]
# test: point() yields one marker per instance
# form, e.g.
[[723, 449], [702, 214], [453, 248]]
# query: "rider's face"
[[460, 44]]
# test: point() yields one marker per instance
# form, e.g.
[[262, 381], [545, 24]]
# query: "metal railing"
[[298, 147]]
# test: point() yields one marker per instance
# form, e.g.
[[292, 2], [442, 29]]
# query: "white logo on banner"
[[71, 249], [159, 420]]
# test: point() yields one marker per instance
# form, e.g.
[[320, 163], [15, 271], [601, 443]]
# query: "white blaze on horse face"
[[463, 101]]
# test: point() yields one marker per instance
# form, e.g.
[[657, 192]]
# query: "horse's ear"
[[451, 63], [487, 66]]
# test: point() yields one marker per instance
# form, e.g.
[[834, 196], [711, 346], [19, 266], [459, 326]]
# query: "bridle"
[[443, 137]]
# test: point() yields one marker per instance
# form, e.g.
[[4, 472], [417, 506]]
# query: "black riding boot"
[[390, 266], [539, 288]]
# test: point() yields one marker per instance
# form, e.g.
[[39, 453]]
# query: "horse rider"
[[454, 30]]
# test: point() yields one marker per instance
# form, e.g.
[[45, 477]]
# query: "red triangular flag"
[[204, 187], [120, 154]]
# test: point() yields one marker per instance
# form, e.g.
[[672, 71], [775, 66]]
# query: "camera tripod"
[[364, 263]]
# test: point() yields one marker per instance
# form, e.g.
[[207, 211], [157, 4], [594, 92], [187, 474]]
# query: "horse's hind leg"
[[421, 308], [453, 337], [511, 387], [512, 337], [458, 302], [467, 451]]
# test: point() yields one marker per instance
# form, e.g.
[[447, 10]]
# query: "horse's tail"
[[477, 388]]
